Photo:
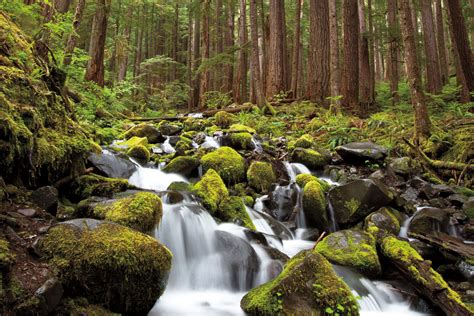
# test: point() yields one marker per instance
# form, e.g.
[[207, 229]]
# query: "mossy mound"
[[261, 176], [81, 307], [184, 165], [179, 186], [304, 178], [110, 265], [311, 158], [232, 209], [352, 248], [239, 128], [227, 162], [141, 211], [39, 141], [384, 219], [86, 186], [305, 141], [151, 133], [6, 256], [241, 140], [308, 285], [211, 190], [314, 205], [224, 119], [140, 152], [127, 144]]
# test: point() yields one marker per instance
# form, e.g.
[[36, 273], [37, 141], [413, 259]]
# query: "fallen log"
[[447, 243], [419, 273]]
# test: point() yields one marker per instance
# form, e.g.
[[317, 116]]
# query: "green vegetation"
[[261, 176], [211, 190], [86, 186], [232, 209], [227, 162]]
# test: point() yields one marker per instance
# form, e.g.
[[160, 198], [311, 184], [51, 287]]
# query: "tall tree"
[[462, 42], [350, 69], [276, 72], [295, 67], [433, 75], [95, 65], [318, 63], [196, 57], [205, 44], [422, 121], [392, 63], [334, 50], [255, 58], [440, 40], [125, 50], [365, 81], [240, 93], [72, 38], [229, 43]]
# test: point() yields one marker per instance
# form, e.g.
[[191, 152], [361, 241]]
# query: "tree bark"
[[72, 39], [295, 68], [350, 70], [241, 77], [364, 62], [318, 62], [189, 58], [394, 42], [334, 47], [196, 57], [440, 40], [123, 58], [205, 75], [220, 40], [174, 49], [276, 72], [255, 58], [95, 65], [422, 121], [433, 75], [229, 43]]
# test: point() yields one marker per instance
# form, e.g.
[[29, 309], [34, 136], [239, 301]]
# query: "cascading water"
[[166, 147], [210, 142], [153, 178]]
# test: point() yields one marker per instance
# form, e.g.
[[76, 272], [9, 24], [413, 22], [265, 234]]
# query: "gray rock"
[[27, 212], [46, 198], [429, 220], [112, 165], [49, 294], [360, 152], [169, 129]]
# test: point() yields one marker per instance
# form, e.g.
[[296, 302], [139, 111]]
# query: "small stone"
[[27, 212], [46, 198]]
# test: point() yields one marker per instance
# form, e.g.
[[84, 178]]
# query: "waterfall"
[[154, 178], [210, 142], [166, 146]]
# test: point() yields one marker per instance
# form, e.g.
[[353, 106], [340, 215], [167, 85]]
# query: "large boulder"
[[109, 264], [308, 285], [429, 220], [224, 119], [211, 190], [353, 201], [314, 205], [227, 162], [282, 201], [239, 257], [151, 133], [303, 178], [361, 152], [141, 211], [311, 158], [384, 219], [139, 152], [170, 128], [353, 248], [94, 185], [46, 198], [125, 145], [112, 165], [239, 140], [232, 209], [261, 176], [184, 165]]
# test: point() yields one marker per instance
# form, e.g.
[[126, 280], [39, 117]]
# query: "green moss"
[[309, 157], [236, 128], [304, 178], [248, 200], [241, 140], [224, 119], [308, 278], [151, 133], [261, 176], [227, 162], [232, 209], [211, 190], [132, 142], [140, 152], [183, 145], [141, 211], [95, 185], [80, 307], [383, 219], [184, 165], [305, 141], [314, 204], [110, 258], [352, 248], [6, 256]]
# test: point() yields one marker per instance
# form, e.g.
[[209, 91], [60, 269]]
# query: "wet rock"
[[468, 207], [353, 201], [457, 200], [109, 264], [89, 185], [240, 256], [261, 176], [174, 140], [361, 152], [27, 212], [49, 295], [228, 163], [282, 201], [211, 190], [46, 198], [384, 219], [199, 138], [170, 129], [403, 166], [184, 165], [278, 227], [429, 220], [311, 158], [145, 130], [314, 205]]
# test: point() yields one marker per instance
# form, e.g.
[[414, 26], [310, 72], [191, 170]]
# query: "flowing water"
[[207, 279]]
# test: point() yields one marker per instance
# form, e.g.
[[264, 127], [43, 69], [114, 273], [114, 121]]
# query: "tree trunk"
[[433, 75], [174, 50], [264, 34], [205, 76], [318, 62], [295, 68], [392, 61], [422, 121], [255, 60], [334, 47], [229, 43], [276, 72], [241, 77], [364, 62], [371, 49], [196, 57], [462, 42], [72, 39], [95, 65], [189, 58], [220, 40], [350, 70], [123, 59], [440, 40]]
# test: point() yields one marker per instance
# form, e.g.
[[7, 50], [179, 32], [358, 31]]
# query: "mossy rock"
[[127, 144], [196, 124], [140, 152], [95, 185], [224, 119], [180, 186], [305, 141], [111, 265], [384, 219], [184, 165], [141, 211], [311, 158], [308, 285], [232, 209], [227, 162], [183, 145], [151, 133], [304, 178], [241, 140], [353, 248], [314, 205], [211, 190], [239, 128], [261, 176], [6, 256], [81, 307]]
